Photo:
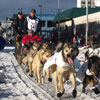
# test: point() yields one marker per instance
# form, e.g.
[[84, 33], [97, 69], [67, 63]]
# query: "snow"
[[17, 86], [13, 88], [1, 75]]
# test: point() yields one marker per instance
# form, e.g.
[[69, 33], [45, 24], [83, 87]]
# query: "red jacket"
[[27, 38]]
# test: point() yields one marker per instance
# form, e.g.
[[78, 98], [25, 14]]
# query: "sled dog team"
[[58, 64]]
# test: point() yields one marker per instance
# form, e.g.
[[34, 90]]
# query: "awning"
[[73, 13]]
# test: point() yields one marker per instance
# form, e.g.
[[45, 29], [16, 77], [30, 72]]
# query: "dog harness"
[[56, 59], [59, 60]]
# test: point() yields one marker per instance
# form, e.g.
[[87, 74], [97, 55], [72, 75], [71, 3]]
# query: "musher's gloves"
[[22, 44]]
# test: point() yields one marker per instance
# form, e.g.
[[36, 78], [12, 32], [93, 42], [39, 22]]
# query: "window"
[[83, 2], [43, 23], [50, 24]]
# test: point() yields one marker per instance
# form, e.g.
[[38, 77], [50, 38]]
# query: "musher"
[[32, 22]]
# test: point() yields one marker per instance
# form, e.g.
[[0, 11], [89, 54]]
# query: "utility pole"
[[87, 21], [40, 6]]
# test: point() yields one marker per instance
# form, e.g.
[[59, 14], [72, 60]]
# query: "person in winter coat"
[[30, 37], [27, 41], [32, 22], [2, 43], [19, 24]]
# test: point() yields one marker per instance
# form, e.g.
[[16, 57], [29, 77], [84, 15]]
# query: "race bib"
[[32, 24]]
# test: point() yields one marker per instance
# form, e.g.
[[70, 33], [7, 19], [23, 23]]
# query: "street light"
[[86, 21], [58, 20], [40, 6]]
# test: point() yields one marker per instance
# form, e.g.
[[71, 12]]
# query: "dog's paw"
[[74, 93], [59, 94], [30, 75], [96, 90], [50, 79]]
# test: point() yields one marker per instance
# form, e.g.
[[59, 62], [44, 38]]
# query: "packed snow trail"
[[13, 88], [18, 86]]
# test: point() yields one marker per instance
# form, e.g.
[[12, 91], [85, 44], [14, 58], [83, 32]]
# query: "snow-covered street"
[[17, 86]]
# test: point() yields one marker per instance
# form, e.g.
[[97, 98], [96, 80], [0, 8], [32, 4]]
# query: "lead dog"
[[61, 66]]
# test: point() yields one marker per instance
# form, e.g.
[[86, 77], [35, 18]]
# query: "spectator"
[[74, 40], [78, 40], [82, 40], [0, 23]]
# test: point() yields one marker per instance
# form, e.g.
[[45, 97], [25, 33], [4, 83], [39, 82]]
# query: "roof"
[[73, 13]]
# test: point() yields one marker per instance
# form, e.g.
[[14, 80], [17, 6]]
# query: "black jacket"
[[19, 26]]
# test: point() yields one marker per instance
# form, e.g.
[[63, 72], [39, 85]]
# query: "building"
[[47, 22], [82, 3], [97, 3], [75, 20]]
